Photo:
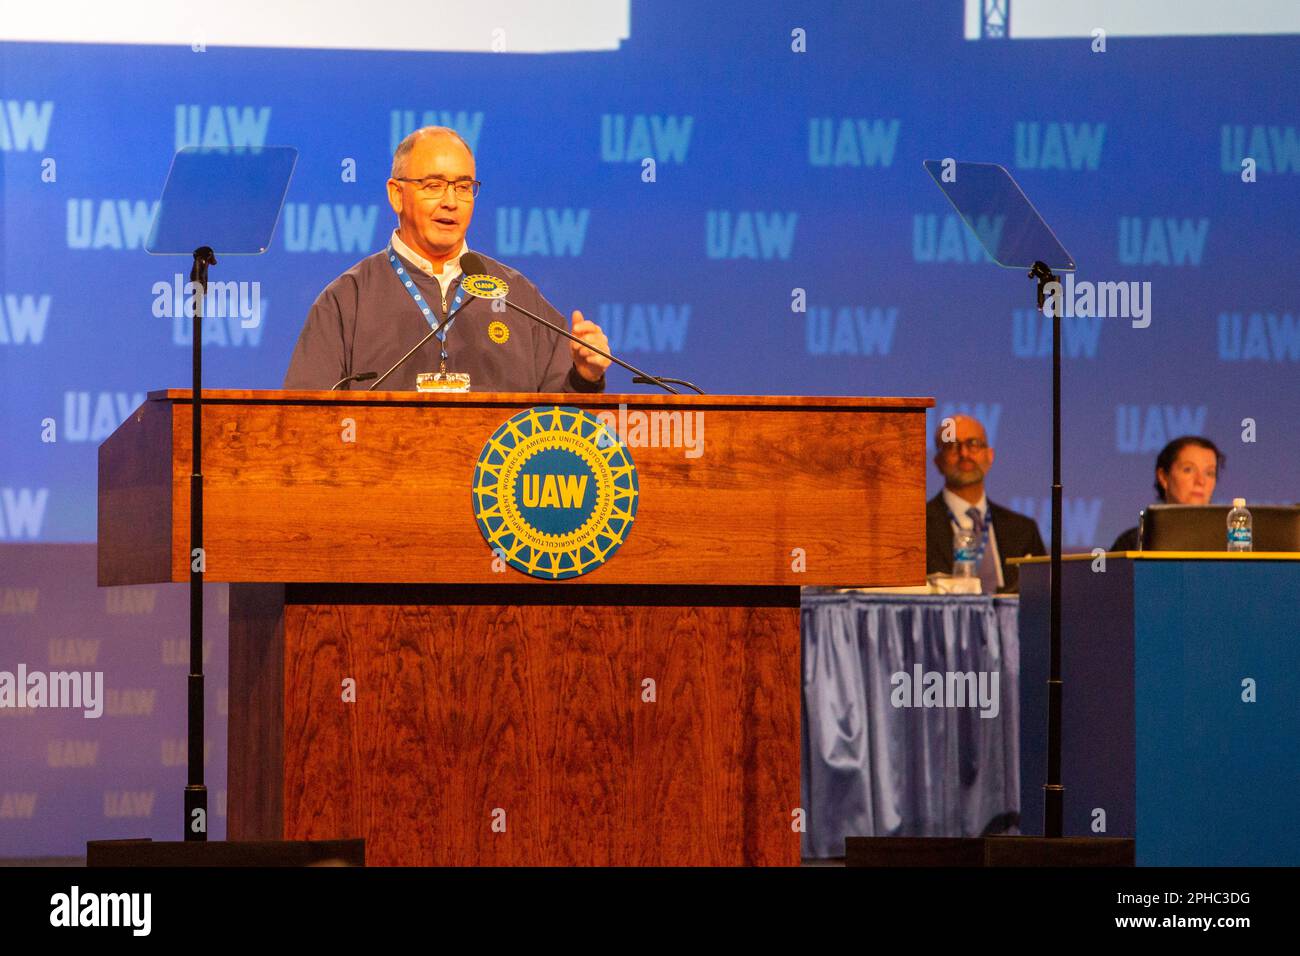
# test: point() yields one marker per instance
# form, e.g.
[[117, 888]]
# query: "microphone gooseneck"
[[471, 261], [359, 377]]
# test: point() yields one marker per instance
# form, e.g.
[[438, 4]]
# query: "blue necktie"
[[988, 569]]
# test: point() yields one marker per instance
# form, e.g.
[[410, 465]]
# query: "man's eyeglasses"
[[433, 187], [972, 446]]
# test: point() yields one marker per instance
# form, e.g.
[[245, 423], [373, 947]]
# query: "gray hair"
[[405, 146]]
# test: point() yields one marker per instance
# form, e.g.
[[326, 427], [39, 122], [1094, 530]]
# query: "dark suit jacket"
[[1127, 541], [1017, 536]]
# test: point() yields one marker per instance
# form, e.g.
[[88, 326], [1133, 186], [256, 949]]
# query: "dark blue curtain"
[[874, 769]]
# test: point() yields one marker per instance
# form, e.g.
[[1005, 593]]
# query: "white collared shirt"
[[959, 506], [450, 268]]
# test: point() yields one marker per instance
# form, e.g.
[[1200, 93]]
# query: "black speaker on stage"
[[989, 851], [122, 853]]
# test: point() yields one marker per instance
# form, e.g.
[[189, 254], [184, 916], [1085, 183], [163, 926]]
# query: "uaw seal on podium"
[[555, 492]]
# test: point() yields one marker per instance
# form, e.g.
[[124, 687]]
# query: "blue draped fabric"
[[874, 769]]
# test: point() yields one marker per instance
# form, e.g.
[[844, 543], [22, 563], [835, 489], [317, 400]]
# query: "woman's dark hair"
[[1169, 454]]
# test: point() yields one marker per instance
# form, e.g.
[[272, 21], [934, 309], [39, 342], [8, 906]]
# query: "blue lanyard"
[[409, 284], [988, 524]]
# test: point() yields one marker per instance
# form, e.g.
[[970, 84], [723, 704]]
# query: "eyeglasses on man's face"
[[435, 187], [972, 446]]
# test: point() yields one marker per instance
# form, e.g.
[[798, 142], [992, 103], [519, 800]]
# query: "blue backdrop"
[[784, 160], [787, 150]]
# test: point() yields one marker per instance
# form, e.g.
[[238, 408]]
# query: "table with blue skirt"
[[906, 730]]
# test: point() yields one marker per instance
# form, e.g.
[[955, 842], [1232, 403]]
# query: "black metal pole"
[[196, 793], [1053, 791]]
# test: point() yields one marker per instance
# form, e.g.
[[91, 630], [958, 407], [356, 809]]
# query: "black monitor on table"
[[1205, 527]]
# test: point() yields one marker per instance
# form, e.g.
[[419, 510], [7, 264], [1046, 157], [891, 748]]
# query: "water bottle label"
[[1238, 536], [966, 554]]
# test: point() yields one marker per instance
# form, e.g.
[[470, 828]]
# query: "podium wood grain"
[[500, 719], [533, 718], [286, 498]]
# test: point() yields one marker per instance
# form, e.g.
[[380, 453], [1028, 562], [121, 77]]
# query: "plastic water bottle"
[[1239, 526], [965, 546]]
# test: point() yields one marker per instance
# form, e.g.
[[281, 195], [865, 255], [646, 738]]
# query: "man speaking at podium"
[[369, 317]]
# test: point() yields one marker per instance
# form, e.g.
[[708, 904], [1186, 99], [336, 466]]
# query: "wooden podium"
[[646, 713]]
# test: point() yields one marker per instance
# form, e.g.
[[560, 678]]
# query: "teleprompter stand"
[[1015, 236], [228, 201]]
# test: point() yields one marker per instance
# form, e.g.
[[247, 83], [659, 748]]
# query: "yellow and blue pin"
[[489, 287], [485, 287]]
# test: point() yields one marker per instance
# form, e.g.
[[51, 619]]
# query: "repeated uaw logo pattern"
[[555, 492]]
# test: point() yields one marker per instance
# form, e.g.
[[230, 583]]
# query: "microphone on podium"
[[359, 377], [481, 284]]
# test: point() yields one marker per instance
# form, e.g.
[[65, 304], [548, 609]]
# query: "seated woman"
[[1186, 471]]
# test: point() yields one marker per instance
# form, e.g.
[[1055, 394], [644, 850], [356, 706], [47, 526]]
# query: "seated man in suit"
[[963, 456], [1187, 470]]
